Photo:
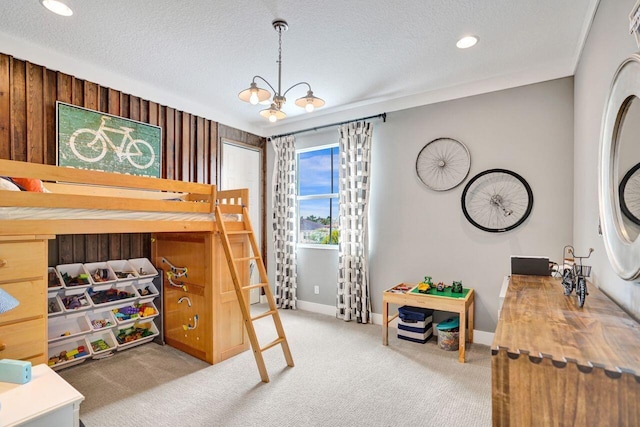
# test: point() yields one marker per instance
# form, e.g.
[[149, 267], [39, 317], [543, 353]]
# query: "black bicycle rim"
[[623, 204], [511, 227]]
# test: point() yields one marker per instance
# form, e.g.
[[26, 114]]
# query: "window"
[[318, 196]]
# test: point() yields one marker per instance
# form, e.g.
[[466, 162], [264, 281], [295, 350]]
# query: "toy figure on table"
[[425, 285], [457, 288]]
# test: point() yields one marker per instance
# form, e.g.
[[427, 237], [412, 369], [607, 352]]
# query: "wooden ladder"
[[240, 288]]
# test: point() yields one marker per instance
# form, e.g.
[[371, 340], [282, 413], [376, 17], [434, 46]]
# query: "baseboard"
[[314, 307], [480, 337]]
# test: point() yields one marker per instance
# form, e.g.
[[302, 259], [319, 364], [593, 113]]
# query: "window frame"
[[299, 198]]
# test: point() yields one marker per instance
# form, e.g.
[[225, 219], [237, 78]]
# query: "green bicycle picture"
[[94, 140], [92, 145]]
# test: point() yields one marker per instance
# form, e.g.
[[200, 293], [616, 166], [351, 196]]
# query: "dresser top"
[[538, 318]]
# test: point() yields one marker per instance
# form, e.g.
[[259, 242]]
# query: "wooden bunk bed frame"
[[210, 288], [83, 189]]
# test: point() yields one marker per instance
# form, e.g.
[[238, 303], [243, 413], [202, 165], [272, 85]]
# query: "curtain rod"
[[382, 115]]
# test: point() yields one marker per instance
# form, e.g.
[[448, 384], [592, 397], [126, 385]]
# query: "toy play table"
[[463, 306]]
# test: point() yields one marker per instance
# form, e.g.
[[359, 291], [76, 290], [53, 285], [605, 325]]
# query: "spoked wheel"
[[567, 282], [497, 200], [581, 291]]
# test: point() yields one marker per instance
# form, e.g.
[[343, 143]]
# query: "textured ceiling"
[[358, 55]]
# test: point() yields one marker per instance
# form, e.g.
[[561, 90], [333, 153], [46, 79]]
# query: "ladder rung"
[[265, 314], [245, 258], [272, 344], [255, 285], [239, 232]]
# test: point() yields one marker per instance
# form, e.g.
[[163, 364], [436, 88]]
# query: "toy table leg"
[[471, 326], [462, 337], [385, 323]]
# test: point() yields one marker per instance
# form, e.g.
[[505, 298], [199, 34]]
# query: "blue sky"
[[315, 172], [315, 178]]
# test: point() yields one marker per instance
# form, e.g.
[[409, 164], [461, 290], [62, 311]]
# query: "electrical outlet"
[[316, 290]]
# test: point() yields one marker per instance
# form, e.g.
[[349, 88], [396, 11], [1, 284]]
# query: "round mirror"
[[619, 179]]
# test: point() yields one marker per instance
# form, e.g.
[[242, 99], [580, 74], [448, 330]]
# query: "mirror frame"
[[624, 254]]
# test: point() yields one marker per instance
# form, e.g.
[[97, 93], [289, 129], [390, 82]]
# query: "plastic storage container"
[[113, 295], [73, 302], [101, 275], [69, 326], [75, 276], [68, 353], [54, 305], [137, 312], [54, 281], [102, 343], [101, 320], [146, 289], [145, 270], [123, 270], [134, 335], [448, 334]]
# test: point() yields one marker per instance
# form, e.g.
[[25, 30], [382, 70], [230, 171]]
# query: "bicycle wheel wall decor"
[[443, 164], [629, 194], [497, 200]]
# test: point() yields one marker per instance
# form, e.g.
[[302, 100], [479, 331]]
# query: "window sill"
[[312, 246]]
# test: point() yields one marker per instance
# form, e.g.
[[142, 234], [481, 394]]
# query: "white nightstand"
[[47, 400]]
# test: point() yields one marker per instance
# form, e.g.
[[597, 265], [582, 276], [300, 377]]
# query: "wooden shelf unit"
[[554, 363]]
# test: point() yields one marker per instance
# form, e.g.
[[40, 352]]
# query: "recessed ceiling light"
[[57, 7], [467, 41]]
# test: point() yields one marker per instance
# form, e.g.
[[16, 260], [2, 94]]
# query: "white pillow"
[[5, 184]]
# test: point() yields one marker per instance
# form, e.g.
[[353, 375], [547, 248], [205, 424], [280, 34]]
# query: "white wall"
[[607, 45], [415, 231]]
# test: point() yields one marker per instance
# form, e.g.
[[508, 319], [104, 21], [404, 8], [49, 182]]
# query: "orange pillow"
[[30, 184]]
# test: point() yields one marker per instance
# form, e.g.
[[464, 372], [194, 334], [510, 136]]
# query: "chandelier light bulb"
[[253, 99], [309, 107], [272, 117]]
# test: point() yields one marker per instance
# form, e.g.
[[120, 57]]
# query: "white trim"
[[584, 33], [479, 337], [316, 148], [319, 196], [316, 246], [316, 308]]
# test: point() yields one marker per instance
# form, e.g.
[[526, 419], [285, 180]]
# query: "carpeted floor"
[[343, 376]]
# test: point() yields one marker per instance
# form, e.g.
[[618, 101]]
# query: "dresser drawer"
[[21, 260], [32, 298], [24, 340]]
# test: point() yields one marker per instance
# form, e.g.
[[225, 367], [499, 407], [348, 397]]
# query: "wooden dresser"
[[556, 364], [23, 271], [207, 292]]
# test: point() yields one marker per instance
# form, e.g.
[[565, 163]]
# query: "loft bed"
[[89, 202], [181, 216]]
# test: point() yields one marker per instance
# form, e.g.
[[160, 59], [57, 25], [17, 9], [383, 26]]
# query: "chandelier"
[[255, 94]]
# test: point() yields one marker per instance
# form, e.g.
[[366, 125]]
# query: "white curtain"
[[284, 220], [353, 300]]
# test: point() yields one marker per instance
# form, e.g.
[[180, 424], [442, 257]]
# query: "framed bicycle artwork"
[[93, 140]]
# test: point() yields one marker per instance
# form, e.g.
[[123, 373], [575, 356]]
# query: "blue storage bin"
[[416, 314]]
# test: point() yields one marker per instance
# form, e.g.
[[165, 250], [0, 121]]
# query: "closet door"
[[242, 168]]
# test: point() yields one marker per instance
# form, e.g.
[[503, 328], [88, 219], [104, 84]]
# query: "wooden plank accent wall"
[[28, 93]]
